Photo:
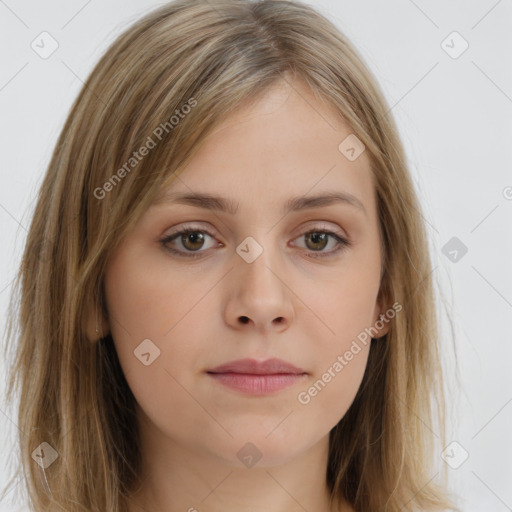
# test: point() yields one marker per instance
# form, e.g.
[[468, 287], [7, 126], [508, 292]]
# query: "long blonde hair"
[[212, 57]]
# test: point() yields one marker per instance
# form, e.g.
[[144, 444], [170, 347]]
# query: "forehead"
[[286, 143]]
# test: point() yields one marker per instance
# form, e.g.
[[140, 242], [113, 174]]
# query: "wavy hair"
[[213, 57]]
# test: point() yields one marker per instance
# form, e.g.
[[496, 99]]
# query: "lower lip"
[[257, 384]]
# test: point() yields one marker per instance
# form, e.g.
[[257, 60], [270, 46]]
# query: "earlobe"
[[381, 322], [96, 326]]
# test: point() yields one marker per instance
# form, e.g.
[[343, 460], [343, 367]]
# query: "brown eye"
[[191, 241], [318, 240]]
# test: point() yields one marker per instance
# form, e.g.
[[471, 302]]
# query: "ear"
[[96, 325], [381, 321]]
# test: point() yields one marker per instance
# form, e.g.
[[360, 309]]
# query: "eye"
[[319, 239], [192, 240]]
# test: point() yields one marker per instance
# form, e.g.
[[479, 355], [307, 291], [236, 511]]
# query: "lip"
[[257, 377], [254, 367]]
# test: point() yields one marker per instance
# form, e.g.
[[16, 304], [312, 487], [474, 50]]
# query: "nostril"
[[244, 319]]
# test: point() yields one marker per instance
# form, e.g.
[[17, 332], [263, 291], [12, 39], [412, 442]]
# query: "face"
[[265, 282]]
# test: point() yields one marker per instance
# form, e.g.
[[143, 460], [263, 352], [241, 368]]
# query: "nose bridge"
[[258, 258], [259, 285]]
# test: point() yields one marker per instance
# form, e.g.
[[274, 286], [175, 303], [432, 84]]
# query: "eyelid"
[[343, 241], [322, 225], [317, 225], [190, 227]]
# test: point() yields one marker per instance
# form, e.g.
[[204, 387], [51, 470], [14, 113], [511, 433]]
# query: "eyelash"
[[342, 243]]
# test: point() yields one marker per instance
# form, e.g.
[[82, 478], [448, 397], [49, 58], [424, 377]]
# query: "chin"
[[256, 450]]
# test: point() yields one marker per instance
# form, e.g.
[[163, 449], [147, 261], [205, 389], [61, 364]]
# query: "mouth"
[[257, 378]]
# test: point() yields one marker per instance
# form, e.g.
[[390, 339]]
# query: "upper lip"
[[254, 367]]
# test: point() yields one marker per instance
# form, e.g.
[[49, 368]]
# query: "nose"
[[259, 297]]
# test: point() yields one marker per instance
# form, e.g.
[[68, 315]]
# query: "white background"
[[455, 119]]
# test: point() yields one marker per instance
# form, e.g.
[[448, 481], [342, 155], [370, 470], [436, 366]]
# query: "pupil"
[[318, 237], [194, 237]]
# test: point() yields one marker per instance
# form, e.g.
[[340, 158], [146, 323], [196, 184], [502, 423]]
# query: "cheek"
[[330, 393], [147, 302], [344, 308], [146, 299], [343, 305]]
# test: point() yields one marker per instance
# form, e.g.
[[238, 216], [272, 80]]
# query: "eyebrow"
[[294, 204]]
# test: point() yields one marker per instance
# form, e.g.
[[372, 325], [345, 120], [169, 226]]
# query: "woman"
[[226, 294]]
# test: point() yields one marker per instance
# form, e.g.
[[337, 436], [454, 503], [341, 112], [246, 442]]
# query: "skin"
[[283, 145]]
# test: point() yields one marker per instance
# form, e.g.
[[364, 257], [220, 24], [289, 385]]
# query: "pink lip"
[[257, 378], [268, 367]]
